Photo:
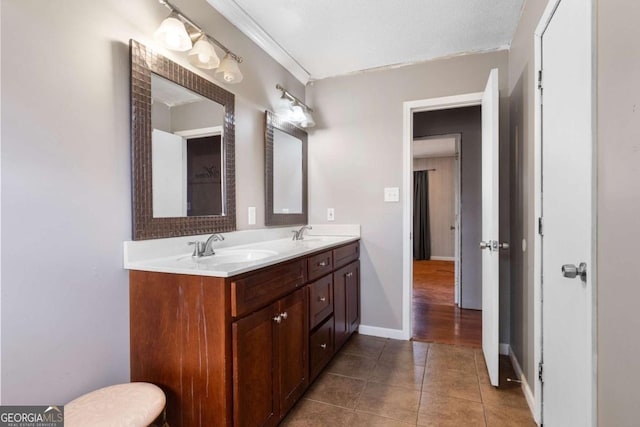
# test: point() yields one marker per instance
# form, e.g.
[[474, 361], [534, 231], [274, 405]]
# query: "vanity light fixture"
[[178, 32], [293, 110]]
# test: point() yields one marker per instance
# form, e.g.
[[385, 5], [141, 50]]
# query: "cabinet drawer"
[[321, 347], [320, 300], [319, 265], [345, 254], [251, 292]]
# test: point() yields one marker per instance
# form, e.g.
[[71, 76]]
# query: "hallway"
[[436, 318]]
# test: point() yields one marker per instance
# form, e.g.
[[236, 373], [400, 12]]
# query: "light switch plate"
[[331, 214], [252, 215], [391, 194]]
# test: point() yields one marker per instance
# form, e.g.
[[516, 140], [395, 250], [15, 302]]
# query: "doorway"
[[446, 291]]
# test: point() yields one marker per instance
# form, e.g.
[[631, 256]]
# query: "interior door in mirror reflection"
[[187, 154]]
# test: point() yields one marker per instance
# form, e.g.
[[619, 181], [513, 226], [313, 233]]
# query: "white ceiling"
[[434, 147], [170, 93], [324, 38]]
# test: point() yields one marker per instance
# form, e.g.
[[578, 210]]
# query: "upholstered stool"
[[121, 405]]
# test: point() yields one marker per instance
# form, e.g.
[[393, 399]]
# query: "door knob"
[[485, 245], [570, 271], [503, 245]]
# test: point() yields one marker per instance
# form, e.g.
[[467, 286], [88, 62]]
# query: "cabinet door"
[[293, 349], [340, 307], [255, 385], [352, 285]]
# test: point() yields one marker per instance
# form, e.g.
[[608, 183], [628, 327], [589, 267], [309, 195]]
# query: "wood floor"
[[436, 318]]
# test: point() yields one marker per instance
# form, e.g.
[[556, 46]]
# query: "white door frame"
[[537, 258], [408, 109]]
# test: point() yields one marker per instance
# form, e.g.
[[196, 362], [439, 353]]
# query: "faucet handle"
[[295, 235], [198, 247]]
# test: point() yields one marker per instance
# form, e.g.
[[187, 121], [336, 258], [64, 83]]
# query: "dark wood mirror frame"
[[144, 62], [272, 121]]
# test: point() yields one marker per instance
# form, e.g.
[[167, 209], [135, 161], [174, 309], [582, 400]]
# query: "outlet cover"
[[252, 215], [331, 214], [391, 194]]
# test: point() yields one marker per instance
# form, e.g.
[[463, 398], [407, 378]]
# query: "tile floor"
[[381, 382]]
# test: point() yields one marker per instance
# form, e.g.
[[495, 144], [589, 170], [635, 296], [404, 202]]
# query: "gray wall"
[[356, 151], [441, 203], [66, 187], [618, 205], [521, 133]]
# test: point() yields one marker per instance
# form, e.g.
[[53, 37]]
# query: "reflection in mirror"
[[187, 153], [183, 150], [285, 172]]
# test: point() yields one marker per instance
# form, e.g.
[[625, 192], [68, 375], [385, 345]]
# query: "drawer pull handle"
[[350, 274], [323, 346], [322, 264], [322, 299], [278, 319], [284, 315]]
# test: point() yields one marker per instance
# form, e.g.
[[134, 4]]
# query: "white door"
[[490, 221], [566, 216]]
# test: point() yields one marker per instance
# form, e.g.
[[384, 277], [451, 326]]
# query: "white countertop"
[[240, 252]]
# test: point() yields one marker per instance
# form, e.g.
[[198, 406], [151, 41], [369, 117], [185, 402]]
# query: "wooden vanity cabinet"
[[240, 351], [270, 362]]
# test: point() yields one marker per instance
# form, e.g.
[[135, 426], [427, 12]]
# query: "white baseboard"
[[396, 334], [504, 349], [526, 390], [442, 258]]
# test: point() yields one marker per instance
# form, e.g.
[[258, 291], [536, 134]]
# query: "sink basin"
[[226, 256], [229, 256]]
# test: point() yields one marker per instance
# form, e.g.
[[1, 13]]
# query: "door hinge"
[[539, 79], [540, 223], [540, 368]]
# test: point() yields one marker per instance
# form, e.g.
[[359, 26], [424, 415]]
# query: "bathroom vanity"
[[239, 343]]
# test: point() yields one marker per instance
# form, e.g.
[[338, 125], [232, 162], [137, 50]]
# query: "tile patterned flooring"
[[383, 382]]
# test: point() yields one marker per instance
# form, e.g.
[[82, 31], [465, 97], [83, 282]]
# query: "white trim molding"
[[238, 17], [374, 331], [526, 389], [442, 258]]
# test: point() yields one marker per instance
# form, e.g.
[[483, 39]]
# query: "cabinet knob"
[[322, 299], [277, 319], [284, 315], [323, 346], [322, 264], [350, 274]]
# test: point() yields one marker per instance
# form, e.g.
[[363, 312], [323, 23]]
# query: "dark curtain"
[[421, 233]]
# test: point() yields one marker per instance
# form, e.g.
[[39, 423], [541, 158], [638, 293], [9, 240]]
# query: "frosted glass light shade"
[[228, 71], [308, 121], [203, 54], [173, 35], [297, 114], [283, 108]]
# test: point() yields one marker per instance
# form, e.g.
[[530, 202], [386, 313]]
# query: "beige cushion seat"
[[130, 405]]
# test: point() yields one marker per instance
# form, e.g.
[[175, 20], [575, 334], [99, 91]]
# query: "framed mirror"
[[285, 172], [183, 150]]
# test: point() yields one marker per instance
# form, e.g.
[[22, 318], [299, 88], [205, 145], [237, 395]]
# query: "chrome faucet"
[[299, 235], [206, 248]]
